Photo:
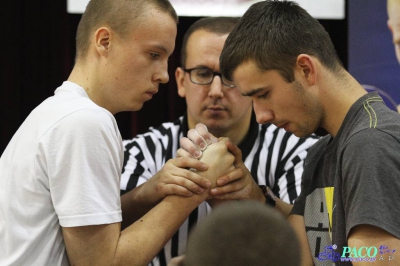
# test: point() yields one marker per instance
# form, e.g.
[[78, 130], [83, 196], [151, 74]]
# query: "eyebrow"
[[252, 92], [202, 67], [161, 47]]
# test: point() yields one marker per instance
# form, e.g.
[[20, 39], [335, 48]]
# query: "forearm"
[[283, 207], [134, 205], [251, 192], [297, 223], [278, 204], [140, 242]]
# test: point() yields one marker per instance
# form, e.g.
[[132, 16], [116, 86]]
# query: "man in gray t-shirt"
[[283, 59], [353, 190]]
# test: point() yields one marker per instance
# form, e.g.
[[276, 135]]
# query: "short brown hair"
[[119, 15], [218, 25], [243, 233], [273, 34]]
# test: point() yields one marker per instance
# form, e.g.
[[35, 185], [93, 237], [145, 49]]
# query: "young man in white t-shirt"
[[60, 174]]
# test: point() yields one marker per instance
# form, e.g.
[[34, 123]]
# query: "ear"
[[389, 24], [102, 40], [307, 68], [180, 78]]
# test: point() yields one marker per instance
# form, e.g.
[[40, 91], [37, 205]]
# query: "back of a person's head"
[[243, 233], [273, 34], [217, 25], [121, 16]]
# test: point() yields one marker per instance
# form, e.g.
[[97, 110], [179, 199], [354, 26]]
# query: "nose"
[[216, 88], [263, 114], [161, 76]]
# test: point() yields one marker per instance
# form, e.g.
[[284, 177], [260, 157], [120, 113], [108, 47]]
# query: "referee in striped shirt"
[[151, 170]]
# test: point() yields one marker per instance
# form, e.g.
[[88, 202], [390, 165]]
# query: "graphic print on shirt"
[[318, 221]]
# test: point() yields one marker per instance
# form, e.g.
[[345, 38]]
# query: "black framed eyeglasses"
[[205, 76]]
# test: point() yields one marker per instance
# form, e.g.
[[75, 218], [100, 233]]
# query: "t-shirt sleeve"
[[82, 155], [371, 181]]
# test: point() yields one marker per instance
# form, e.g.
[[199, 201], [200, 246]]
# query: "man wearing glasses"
[[273, 156]]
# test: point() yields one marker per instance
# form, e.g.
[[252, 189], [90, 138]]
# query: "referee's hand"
[[196, 142]]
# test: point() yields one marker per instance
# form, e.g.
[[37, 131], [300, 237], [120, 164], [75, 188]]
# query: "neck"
[[236, 135], [89, 79], [339, 94]]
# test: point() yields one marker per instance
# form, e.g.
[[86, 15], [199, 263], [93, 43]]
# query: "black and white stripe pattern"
[[273, 156]]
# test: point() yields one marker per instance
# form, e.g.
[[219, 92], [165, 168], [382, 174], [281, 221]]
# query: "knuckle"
[[181, 182]]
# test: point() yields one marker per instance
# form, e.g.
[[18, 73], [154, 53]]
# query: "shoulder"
[[373, 138], [375, 116], [88, 118], [377, 124], [89, 127]]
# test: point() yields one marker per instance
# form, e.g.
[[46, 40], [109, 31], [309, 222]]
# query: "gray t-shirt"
[[350, 180]]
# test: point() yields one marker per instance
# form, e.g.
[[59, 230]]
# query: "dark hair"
[[120, 15], [243, 233], [218, 25], [273, 34]]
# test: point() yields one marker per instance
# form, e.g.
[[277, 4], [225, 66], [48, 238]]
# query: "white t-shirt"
[[61, 168]]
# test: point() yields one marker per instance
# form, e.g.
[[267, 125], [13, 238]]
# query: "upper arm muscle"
[[297, 222], [91, 245], [372, 236]]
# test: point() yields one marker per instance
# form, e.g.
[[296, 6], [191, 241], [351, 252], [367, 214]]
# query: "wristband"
[[270, 197]]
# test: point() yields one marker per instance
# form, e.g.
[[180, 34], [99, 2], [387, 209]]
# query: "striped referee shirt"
[[273, 156]]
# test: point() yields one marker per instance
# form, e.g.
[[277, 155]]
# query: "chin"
[[300, 133], [135, 107], [217, 130]]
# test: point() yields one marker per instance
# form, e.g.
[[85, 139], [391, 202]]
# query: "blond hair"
[[121, 16]]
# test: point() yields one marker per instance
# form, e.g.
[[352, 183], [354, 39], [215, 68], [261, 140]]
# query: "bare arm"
[[139, 243], [174, 178], [297, 222], [372, 236], [238, 184]]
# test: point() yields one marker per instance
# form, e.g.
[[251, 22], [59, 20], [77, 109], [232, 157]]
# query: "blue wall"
[[371, 56]]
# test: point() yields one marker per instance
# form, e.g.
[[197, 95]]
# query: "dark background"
[[372, 59], [38, 49]]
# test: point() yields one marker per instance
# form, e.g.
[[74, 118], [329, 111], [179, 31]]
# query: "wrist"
[[270, 198]]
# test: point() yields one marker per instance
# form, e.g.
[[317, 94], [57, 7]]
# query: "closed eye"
[[154, 55], [262, 96]]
